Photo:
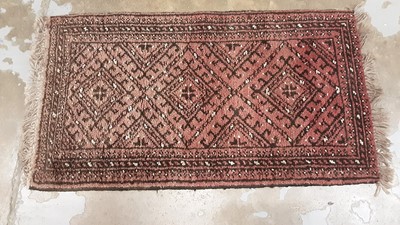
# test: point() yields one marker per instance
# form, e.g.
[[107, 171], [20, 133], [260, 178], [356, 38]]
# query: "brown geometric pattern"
[[197, 100]]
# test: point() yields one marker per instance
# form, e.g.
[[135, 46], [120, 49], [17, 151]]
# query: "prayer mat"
[[199, 100]]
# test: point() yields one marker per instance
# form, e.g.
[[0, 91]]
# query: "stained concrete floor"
[[351, 204]]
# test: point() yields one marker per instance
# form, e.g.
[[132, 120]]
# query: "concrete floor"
[[351, 204]]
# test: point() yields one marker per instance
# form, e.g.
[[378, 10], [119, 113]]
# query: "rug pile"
[[202, 100]]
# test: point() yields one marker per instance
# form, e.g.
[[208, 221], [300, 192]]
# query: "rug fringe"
[[379, 118], [34, 96]]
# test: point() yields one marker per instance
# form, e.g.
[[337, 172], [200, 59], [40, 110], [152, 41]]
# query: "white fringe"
[[34, 96]]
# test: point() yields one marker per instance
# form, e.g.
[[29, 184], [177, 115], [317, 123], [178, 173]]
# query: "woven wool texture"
[[204, 100]]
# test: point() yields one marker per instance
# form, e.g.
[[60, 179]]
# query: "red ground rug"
[[203, 100]]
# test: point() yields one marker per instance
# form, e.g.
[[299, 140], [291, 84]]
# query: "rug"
[[200, 100]]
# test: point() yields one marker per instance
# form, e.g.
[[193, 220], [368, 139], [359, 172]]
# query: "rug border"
[[35, 94]]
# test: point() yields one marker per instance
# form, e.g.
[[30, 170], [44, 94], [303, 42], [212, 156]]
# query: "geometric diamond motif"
[[99, 90], [290, 90], [188, 93]]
